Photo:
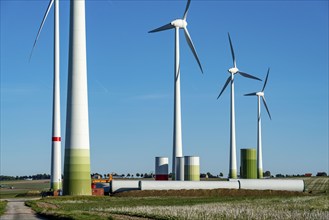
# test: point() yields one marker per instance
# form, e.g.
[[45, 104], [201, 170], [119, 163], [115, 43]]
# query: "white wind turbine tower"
[[56, 173], [177, 136], [232, 71], [259, 128], [77, 147]]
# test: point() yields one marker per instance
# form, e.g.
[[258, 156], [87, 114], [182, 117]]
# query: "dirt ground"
[[213, 192]]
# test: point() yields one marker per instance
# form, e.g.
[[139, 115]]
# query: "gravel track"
[[16, 210]]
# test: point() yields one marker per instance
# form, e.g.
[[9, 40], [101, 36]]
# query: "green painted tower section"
[[56, 185], [77, 180], [191, 168], [260, 173], [192, 172], [233, 174], [248, 169]]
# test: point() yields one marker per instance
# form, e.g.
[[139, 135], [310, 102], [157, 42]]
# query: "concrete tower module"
[[77, 179], [161, 168], [248, 168], [192, 168], [179, 168]]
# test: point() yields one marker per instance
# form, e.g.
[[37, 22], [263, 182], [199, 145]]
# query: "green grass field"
[[23, 188], [195, 204]]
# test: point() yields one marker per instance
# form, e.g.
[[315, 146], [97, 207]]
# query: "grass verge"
[[23, 188], [3, 205], [248, 205], [194, 204]]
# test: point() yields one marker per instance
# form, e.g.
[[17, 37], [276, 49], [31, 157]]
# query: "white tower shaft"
[[56, 172], [232, 172], [77, 152], [259, 143], [177, 140]]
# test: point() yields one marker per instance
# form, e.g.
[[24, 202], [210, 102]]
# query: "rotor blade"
[[163, 28], [190, 43], [232, 51], [250, 94], [268, 71], [249, 76], [226, 83], [186, 10], [266, 107], [41, 26]]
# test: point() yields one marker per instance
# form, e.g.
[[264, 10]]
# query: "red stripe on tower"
[[56, 138]]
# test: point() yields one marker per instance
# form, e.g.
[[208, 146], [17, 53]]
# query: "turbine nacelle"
[[180, 23], [260, 94], [233, 70]]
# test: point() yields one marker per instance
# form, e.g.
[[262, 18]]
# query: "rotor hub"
[[233, 70], [180, 23]]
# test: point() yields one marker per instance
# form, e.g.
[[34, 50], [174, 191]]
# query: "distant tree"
[[132, 175], [122, 175], [203, 175], [221, 174], [142, 175], [3, 178], [210, 175], [128, 175], [321, 174], [267, 174], [279, 175], [137, 174]]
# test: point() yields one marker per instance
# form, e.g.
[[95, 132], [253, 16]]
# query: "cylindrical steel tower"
[[56, 171], [77, 179], [177, 136]]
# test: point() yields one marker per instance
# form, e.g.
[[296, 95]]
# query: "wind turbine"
[[177, 136], [56, 173], [259, 128], [232, 71]]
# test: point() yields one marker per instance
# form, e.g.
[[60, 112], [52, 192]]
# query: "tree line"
[[31, 177], [150, 175]]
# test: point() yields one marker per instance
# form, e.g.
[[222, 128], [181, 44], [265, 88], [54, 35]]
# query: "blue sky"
[[130, 82]]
